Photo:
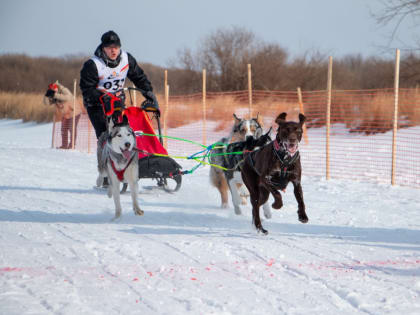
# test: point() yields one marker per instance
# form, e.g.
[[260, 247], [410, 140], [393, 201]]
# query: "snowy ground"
[[60, 254]]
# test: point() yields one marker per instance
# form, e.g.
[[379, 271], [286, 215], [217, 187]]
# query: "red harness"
[[120, 174]]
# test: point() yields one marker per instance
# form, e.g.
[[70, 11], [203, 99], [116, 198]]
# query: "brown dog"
[[272, 167]]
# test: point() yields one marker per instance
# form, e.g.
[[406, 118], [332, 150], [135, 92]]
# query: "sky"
[[154, 31]]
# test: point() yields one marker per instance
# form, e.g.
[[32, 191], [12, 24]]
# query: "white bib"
[[111, 79]]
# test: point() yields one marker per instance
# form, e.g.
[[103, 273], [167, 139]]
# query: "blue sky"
[[154, 30]]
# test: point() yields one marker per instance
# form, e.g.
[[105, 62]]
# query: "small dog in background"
[[242, 130], [118, 161], [272, 167]]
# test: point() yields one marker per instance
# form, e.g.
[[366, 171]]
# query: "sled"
[[163, 169]]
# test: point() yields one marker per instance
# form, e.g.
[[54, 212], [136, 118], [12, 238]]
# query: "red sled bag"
[[139, 121]]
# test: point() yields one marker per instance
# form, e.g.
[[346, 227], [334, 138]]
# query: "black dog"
[[272, 167]]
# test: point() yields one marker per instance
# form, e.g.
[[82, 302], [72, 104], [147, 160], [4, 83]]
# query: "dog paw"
[[224, 206], [116, 218], [262, 230], [303, 217], [238, 210], [138, 211], [277, 205], [243, 201]]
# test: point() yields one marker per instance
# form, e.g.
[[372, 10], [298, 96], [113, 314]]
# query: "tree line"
[[225, 54]]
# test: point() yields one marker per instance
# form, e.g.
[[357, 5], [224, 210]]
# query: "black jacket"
[[89, 79]]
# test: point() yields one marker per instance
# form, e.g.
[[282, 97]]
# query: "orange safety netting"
[[360, 137]]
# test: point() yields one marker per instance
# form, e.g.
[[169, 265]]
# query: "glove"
[[111, 103], [50, 93], [150, 104]]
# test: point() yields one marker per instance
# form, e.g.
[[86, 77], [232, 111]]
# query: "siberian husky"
[[118, 160], [242, 130]]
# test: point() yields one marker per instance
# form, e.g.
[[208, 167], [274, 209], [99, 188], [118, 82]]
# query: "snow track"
[[60, 254]]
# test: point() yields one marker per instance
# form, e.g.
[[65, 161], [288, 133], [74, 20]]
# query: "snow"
[[60, 254]]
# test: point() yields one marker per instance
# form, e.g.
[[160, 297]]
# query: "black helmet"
[[110, 38]]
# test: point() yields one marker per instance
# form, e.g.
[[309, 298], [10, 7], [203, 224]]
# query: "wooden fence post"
[[394, 133], [305, 134], [204, 109], [135, 96], [74, 115], [250, 90], [328, 119]]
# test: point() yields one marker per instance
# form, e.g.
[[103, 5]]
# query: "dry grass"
[[25, 106], [373, 114], [361, 112], [221, 110]]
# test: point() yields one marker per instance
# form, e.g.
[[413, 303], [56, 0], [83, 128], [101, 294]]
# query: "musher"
[[102, 79]]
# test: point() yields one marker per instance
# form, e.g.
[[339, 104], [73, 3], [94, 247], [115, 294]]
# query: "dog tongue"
[[292, 148], [126, 153]]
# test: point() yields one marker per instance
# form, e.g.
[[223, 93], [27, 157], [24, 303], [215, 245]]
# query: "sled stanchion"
[[165, 115], [135, 97]]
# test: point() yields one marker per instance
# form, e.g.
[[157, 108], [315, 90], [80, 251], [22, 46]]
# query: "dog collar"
[[276, 145]]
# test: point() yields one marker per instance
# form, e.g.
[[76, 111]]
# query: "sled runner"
[[163, 169]]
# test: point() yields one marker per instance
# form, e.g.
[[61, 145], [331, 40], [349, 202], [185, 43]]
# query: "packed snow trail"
[[60, 254]]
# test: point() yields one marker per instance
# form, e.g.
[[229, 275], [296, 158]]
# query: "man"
[[103, 76], [60, 96], [102, 79]]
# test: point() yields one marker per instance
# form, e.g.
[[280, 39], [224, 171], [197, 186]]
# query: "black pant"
[[97, 118]]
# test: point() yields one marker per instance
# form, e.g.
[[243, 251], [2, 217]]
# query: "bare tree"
[[225, 54], [269, 68], [396, 12]]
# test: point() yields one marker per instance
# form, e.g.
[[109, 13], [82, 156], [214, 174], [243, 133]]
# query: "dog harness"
[[285, 159], [120, 174]]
